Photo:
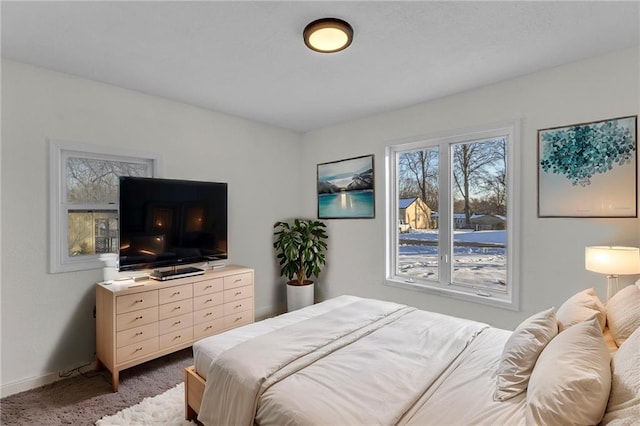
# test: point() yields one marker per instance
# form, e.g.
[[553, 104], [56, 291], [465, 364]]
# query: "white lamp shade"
[[612, 260]]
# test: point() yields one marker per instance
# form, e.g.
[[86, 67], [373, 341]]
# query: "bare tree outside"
[[495, 184], [96, 181], [418, 178], [479, 176], [418, 172], [89, 183], [80, 233], [479, 169]]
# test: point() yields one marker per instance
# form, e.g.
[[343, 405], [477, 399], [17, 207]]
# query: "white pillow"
[[570, 382], [624, 400], [623, 313], [581, 307], [521, 352]]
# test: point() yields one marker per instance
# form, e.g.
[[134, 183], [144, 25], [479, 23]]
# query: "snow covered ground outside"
[[479, 257]]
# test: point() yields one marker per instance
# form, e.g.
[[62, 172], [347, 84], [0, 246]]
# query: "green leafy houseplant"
[[300, 248]]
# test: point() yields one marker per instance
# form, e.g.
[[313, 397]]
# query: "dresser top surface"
[[131, 285]]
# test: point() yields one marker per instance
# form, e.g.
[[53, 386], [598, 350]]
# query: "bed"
[[351, 360]]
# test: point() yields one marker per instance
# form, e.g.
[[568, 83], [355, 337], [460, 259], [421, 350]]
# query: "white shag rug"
[[166, 409]]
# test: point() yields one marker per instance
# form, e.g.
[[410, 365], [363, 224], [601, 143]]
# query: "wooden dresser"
[[143, 320]]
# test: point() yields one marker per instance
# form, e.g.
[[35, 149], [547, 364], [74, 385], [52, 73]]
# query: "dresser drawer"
[[238, 306], [238, 319], [208, 314], [238, 280], [137, 350], [207, 301], [176, 338], [180, 307], [175, 323], [208, 328], [208, 286], [135, 335], [179, 292], [134, 302], [238, 293], [136, 318]]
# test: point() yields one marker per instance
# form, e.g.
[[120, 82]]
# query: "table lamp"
[[613, 261]]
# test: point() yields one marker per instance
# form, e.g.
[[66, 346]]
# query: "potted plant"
[[300, 248]]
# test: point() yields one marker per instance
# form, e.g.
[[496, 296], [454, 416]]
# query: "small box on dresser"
[[140, 321]]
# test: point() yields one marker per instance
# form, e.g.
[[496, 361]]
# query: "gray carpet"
[[84, 399]]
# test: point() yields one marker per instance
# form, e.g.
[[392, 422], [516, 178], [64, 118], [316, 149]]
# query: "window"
[[84, 201], [460, 195]]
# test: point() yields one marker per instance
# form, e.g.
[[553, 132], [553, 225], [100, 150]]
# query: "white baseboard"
[[36, 382]]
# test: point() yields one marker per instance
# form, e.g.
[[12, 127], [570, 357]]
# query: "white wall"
[[47, 319], [552, 250]]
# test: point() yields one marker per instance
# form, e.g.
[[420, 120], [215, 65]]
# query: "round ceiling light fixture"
[[328, 35]]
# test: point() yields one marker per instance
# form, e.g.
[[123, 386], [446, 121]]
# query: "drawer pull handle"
[[177, 337], [238, 280], [176, 308], [208, 300], [138, 318], [207, 287], [138, 301], [177, 322], [208, 313], [175, 293], [137, 350], [238, 306], [238, 293], [139, 333], [237, 319], [208, 327]]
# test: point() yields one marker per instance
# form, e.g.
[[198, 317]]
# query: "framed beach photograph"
[[589, 169], [346, 190]]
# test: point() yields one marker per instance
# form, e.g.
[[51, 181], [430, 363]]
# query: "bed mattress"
[[206, 350], [467, 377], [470, 382]]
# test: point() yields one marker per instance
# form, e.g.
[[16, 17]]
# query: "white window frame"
[[444, 286], [59, 151]]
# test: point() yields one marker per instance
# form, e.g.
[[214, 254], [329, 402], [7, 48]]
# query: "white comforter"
[[367, 362]]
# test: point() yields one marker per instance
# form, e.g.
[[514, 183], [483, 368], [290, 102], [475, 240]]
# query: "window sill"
[[491, 300], [77, 265]]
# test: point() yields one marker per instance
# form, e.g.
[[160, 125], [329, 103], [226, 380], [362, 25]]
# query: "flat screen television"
[[167, 222]]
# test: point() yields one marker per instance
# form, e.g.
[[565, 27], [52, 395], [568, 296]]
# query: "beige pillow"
[[624, 400], [581, 307], [521, 352], [570, 382], [623, 313]]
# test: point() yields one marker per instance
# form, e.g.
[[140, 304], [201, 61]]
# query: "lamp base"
[[612, 286]]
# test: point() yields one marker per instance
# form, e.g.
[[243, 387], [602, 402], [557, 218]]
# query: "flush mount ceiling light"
[[328, 35]]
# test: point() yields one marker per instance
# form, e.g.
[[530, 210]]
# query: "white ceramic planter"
[[299, 296]]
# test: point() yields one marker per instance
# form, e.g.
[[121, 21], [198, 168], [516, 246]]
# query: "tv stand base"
[[176, 273]]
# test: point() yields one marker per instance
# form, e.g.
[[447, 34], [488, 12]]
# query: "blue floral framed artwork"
[[589, 169]]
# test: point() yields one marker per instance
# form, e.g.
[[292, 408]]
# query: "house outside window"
[[84, 182], [414, 212], [459, 195]]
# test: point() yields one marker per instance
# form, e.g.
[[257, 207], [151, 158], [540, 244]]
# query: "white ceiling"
[[249, 59]]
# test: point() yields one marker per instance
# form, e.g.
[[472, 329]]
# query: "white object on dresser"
[[137, 321]]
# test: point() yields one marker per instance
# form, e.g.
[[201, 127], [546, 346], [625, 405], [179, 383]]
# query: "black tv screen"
[[166, 222]]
